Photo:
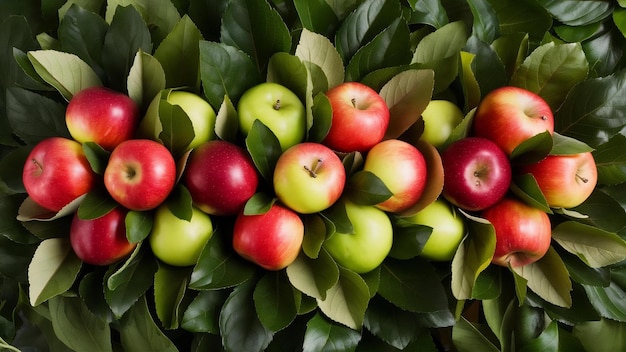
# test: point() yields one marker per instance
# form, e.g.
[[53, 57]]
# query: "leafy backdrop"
[[570, 52]]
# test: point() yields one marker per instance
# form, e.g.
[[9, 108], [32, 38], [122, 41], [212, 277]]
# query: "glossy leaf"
[[97, 157], [276, 301], [596, 247], [315, 233], [467, 75], [181, 41], [523, 16], [146, 79], [259, 203], [611, 161], [317, 16], [533, 149], [430, 12], [467, 338], [202, 314], [227, 121], [393, 325], [488, 69], [485, 25], [317, 51], [512, 49], [604, 51], [525, 186], [314, 277], [264, 148], [177, 130], [409, 238], [138, 225], [445, 42], [577, 13], [347, 300], [160, 15], [170, 284], [139, 332], [10, 227], [563, 145], [607, 302], [322, 118], [365, 188], [95, 204], [602, 211], [604, 334], [323, 335], [180, 202]]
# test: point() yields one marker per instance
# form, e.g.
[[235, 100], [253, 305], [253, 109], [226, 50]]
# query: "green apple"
[[176, 241], [276, 107], [440, 118], [448, 229], [366, 248], [198, 110]]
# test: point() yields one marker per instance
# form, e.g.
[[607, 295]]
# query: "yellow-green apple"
[[477, 173], [103, 116], [278, 108], [511, 115], [101, 241], [272, 239], [220, 177], [523, 232], [176, 241], [565, 180], [309, 177], [140, 174], [199, 111], [440, 118], [367, 247], [402, 168], [448, 229], [56, 172], [359, 120]]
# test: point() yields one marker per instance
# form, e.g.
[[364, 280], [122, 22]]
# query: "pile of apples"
[[310, 181]]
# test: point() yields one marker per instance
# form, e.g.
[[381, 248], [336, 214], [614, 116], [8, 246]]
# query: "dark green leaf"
[[91, 292], [487, 67], [580, 272], [264, 149], [611, 161], [512, 50], [11, 175], [180, 203], [323, 335], [160, 15], [177, 130], [430, 12], [365, 188], [577, 13], [202, 314], [97, 203], [139, 332], [317, 16], [346, 302], [276, 301], [393, 325], [488, 284], [577, 33], [15, 259], [97, 156], [314, 277], [146, 79], [138, 225], [563, 145], [603, 212], [533, 149], [522, 16], [485, 26], [259, 203], [409, 238], [580, 311], [181, 42], [607, 301], [10, 227], [604, 52], [467, 337], [337, 216], [170, 284], [602, 334], [322, 118], [526, 188]]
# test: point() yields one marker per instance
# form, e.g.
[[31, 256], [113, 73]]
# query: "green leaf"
[[409, 238], [66, 72], [522, 16], [563, 145], [611, 161], [469, 82], [512, 50], [96, 203], [146, 79], [139, 332], [97, 156], [318, 53], [551, 71], [77, 327], [323, 335], [602, 211], [259, 203], [467, 337], [170, 284], [177, 130], [607, 301], [227, 121], [596, 247], [276, 301], [337, 216], [314, 277], [10, 227], [525, 186], [264, 149], [317, 16], [485, 25], [322, 118], [202, 314], [255, 28], [138, 225], [548, 278], [604, 334], [52, 271], [430, 12], [315, 232], [488, 69], [347, 300], [391, 324], [577, 13], [619, 18], [181, 42], [180, 203], [160, 15], [533, 149], [365, 188]]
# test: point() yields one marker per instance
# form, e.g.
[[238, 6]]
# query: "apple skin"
[[477, 173], [56, 172], [565, 180], [309, 177], [140, 174], [271, 240], [366, 248], [510, 115], [176, 241], [402, 168], [440, 118], [199, 111], [220, 177], [101, 241], [523, 233], [276, 107], [359, 120], [448, 230], [103, 116]]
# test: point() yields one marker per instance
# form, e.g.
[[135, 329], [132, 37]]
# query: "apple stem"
[[39, 166], [584, 179], [313, 170], [277, 105], [544, 117], [353, 100]]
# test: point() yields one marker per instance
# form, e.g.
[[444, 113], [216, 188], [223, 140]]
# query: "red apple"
[[360, 117], [523, 233], [56, 172], [565, 180], [510, 115], [402, 168], [140, 174], [309, 177], [101, 241], [477, 173], [103, 116], [272, 240], [221, 177]]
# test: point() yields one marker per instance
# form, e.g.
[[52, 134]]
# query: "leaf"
[[146, 79], [607, 301], [533, 149], [317, 17], [577, 13], [77, 327], [443, 43], [324, 336], [160, 15], [95, 204], [15, 259], [97, 156], [602, 211], [30, 210], [10, 227], [180, 203], [138, 225], [259, 203], [548, 278], [611, 161], [485, 25], [264, 148], [289, 71], [467, 337], [430, 12], [563, 145], [391, 324], [275, 300], [314, 277], [551, 71], [52, 271], [523, 16], [365, 188], [255, 28], [177, 130], [181, 42], [512, 50], [202, 314], [322, 113], [139, 332], [596, 247], [170, 284], [347, 300], [315, 232], [471, 88], [604, 334], [525, 186], [66, 72], [408, 238], [488, 69], [227, 121], [317, 52]]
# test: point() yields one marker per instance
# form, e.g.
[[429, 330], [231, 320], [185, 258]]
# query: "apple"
[[367, 247], [402, 168], [359, 120], [101, 241], [440, 118], [523, 232], [101, 115], [477, 173], [140, 174], [199, 111], [510, 115], [271, 240], [276, 107], [176, 241], [220, 177], [309, 177], [565, 180], [56, 172]]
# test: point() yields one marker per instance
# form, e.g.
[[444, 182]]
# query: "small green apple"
[[276, 107], [198, 110], [440, 118], [448, 230], [176, 241], [366, 248]]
